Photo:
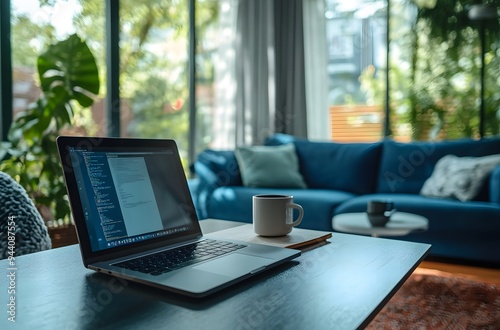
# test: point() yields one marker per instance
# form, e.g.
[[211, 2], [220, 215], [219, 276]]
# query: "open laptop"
[[135, 218]]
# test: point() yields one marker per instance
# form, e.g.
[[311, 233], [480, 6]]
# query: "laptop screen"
[[130, 196]]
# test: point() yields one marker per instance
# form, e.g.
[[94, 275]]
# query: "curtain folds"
[[316, 77], [290, 115], [224, 112], [276, 62], [254, 71]]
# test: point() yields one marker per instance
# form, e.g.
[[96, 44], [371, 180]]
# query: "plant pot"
[[63, 235]]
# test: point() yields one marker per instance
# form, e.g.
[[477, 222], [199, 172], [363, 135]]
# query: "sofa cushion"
[[235, 203], [459, 177], [270, 166], [404, 167], [350, 167]]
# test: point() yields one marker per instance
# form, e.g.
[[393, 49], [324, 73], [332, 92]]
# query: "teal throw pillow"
[[270, 166]]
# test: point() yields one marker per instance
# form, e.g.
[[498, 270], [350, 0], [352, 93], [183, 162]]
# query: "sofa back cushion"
[[404, 167], [349, 167], [270, 166]]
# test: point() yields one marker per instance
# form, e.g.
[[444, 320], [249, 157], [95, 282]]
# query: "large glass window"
[[434, 70], [215, 65], [153, 55], [36, 24], [441, 83], [356, 40], [154, 70], [154, 58]]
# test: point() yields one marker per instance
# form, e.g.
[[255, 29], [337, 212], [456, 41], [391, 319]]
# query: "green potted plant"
[[68, 77]]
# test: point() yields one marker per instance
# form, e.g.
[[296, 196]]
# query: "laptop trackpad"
[[234, 265]]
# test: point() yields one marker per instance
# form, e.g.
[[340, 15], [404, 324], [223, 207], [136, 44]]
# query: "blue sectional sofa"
[[341, 178]]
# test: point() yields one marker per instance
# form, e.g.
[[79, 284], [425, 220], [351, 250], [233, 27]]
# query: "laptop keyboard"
[[166, 261]]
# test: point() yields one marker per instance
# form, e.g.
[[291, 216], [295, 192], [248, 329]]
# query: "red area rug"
[[442, 301]]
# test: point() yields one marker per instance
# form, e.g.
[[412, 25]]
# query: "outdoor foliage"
[[153, 61], [69, 79], [154, 95], [435, 76], [445, 71]]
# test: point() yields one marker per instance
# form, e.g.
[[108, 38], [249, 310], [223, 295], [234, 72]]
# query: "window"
[[33, 27], [154, 62], [215, 88], [434, 81], [440, 86], [153, 70], [434, 72], [357, 48]]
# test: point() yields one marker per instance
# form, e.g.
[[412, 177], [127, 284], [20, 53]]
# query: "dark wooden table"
[[341, 285]]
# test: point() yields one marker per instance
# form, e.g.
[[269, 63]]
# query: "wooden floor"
[[489, 275]]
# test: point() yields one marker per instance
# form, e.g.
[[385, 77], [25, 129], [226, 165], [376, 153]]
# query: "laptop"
[[135, 218]]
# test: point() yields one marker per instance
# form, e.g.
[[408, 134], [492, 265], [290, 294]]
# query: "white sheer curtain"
[[255, 71], [258, 93], [244, 72], [223, 114], [316, 62]]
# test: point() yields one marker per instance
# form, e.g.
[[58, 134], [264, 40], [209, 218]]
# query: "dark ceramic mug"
[[379, 212], [379, 207]]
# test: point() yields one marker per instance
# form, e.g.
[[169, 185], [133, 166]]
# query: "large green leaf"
[[71, 65]]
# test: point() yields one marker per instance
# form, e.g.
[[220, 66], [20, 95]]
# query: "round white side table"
[[401, 224]]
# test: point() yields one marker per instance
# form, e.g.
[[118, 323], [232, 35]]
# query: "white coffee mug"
[[273, 214]]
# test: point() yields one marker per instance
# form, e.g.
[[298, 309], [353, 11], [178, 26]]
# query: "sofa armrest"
[[217, 168], [213, 169], [495, 185], [279, 139]]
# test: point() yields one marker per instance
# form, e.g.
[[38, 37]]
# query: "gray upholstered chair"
[[19, 215]]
